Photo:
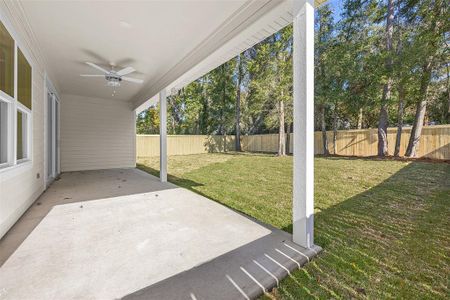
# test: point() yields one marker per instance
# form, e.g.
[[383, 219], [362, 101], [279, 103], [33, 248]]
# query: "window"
[[6, 61], [3, 132], [15, 102], [24, 104], [23, 80], [22, 135]]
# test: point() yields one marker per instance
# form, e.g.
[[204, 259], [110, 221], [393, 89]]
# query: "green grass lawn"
[[384, 225]]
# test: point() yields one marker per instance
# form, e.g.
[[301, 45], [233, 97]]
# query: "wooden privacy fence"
[[148, 145], [434, 143]]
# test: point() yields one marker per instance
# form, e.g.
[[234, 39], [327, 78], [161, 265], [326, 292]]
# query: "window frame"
[[14, 106], [8, 104], [27, 113]]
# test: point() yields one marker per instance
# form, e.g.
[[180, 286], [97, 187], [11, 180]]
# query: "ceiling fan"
[[113, 78]]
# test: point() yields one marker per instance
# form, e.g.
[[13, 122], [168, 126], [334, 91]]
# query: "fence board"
[[434, 143], [148, 145]]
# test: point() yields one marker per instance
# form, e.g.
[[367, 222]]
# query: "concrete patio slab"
[[111, 234]]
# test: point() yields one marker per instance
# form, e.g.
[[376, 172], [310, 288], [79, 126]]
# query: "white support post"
[[303, 60], [162, 136]]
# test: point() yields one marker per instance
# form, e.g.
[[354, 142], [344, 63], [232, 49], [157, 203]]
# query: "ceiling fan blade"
[[92, 75], [97, 67], [132, 79], [125, 71]]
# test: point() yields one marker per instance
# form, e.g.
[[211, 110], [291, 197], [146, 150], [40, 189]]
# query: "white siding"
[[21, 185], [96, 134]]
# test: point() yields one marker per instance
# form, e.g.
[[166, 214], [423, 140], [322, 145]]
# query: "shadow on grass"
[[390, 241], [183, 182], [192, 186]]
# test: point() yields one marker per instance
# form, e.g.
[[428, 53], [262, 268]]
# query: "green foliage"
[[147, 122], [350, 60], [222, 90]]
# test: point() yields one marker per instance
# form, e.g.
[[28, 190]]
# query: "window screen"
[[3, 132], [23, 80], [6, 61], [22, 135]]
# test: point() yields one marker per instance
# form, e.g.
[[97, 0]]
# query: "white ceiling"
[[169, 43], [160, 34]]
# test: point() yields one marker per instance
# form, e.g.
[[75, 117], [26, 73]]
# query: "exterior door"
[[52, 137]]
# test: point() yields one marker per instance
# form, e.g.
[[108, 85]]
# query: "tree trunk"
[[238, 104], [400, 113], [384, 118], [447, 112], [324, 131], [334, 129], [281, 133], [225, 149], [222, 129], [288, 138], [360, 118], [383, 122], [421, 108], [203, 120]]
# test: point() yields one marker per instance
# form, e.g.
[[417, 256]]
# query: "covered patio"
[[116, 233], [77, 220]]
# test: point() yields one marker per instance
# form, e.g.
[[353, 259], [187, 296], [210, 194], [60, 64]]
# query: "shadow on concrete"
[[243, 273], [384, 242]]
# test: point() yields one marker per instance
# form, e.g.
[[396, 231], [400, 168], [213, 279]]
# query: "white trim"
[[3, 166], [15, 106], [5, 97], [232, 37], [8, 132], [58, 137], [28, 137], [134, 136], [14, 170], [23, 108], [54, 141], [303, 180], [30, 47], [55, 134], [162, 136]]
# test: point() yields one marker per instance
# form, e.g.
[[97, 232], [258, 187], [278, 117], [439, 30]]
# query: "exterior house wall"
[[96, 134], [22, 184]]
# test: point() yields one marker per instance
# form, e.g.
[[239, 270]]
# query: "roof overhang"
[[168, 57], [257, 21]]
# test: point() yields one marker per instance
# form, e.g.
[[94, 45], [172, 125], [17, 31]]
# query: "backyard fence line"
[[148, 145], [434, 143]]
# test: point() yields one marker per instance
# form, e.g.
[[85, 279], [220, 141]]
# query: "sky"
[[336, 6]]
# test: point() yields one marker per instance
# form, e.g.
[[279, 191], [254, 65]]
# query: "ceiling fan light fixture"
[[113, 78], [113, 81]]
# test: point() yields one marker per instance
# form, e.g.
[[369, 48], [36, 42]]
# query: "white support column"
[[162, 136], [303, 56]]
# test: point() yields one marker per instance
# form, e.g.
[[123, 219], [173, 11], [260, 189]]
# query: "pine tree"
[[323, 82]]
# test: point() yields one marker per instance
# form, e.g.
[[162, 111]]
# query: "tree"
[[239, 77], [368, 75], [222, 92], [432, 28], [384, 117], [147, 122], [323, 82]]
